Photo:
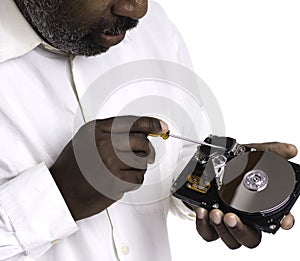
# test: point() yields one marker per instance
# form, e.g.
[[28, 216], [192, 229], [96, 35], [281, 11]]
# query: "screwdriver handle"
[[164, 135]]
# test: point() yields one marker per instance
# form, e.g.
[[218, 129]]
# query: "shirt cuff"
[[37, 211]]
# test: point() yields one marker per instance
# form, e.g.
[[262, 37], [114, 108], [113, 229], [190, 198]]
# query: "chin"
[[86, 51]]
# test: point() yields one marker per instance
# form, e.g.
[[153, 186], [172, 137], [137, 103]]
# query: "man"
[[44, 188]]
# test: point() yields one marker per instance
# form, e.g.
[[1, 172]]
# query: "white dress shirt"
[[40, 94]]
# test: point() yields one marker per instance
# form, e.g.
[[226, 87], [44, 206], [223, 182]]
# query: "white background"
[[248, 52]]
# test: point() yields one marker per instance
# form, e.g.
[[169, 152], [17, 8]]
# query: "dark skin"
[[79, 20], [110, 138], [83, 27]]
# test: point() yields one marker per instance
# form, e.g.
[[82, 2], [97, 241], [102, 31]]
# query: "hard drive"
[[259, 186]]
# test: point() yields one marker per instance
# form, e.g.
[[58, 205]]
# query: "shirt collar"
[[17, 36]]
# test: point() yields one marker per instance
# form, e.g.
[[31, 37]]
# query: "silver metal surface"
[[216, 205], [219, 161], [256, 180], [200, 157], [194, 141], [272, 227], [239, 150], [280, 185]]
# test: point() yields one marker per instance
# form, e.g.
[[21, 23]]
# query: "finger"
[[243, 234], [133, 176], [126, 124], [149, 125], [148, 156], [205, 230], [136, 142], [151, 156], [129, 160], [128, 180], [216, 216], [288, 222], [285, 150]]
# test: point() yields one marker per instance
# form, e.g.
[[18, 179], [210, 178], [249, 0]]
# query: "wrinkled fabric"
[[41, 93]]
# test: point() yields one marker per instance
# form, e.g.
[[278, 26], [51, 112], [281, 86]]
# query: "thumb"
[[149, 125], [126, 124]]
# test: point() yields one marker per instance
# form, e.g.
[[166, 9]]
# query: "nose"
[[134, 9]]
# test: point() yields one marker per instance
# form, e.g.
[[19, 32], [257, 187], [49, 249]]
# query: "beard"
[[58, 29]]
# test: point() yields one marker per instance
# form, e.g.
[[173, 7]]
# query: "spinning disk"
[[257, 182]]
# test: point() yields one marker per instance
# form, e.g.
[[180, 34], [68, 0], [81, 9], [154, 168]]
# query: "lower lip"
[[111, 40]]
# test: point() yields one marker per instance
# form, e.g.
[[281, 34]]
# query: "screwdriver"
[[168, 134]]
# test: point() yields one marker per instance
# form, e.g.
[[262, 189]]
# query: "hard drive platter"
[[257, 182]]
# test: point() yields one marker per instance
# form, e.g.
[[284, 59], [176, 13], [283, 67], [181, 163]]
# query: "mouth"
[[108, 40]]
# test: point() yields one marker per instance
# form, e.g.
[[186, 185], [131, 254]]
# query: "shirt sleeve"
[[33, 215]]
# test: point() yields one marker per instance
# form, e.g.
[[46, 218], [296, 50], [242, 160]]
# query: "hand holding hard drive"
[[241, 191]]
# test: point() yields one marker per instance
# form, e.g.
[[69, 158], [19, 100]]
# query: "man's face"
[[83, 27]]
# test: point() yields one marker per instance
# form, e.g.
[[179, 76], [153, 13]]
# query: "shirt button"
[[125, 250]]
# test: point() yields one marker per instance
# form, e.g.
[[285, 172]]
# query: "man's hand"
[[124, 152], [229, 227]]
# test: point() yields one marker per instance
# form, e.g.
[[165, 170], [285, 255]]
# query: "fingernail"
[[293, 150], [201, 212], [151, 160], [216, 217], [164, 126], [288, 223], [231, 221]]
